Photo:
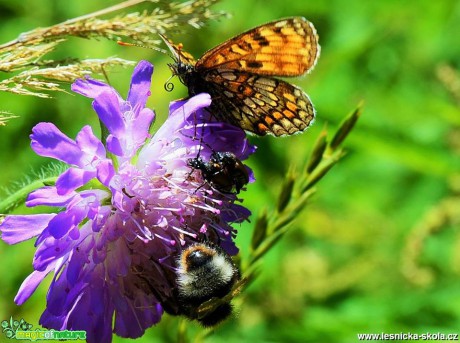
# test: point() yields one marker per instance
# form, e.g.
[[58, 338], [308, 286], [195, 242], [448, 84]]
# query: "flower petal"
[[96, 303], [115, 146], [73, 178], [180, 112], [139, 90], [47, 196], [90, 144], [140, 128], [105, 172], [59, 305], [47, 140], [16, 228], [79, 261], [50, 251], [237, 214], [30, 284], [131, 322], [192, 105], [107, 108], [50, 321], [65, 221], [121, 259], [92, 88]]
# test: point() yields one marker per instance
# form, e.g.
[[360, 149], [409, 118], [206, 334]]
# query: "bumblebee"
[[224, 171], [205, 271]]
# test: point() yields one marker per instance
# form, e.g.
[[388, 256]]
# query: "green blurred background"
[[378, 249]]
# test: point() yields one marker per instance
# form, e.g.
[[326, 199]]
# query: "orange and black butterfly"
[[238, 74]]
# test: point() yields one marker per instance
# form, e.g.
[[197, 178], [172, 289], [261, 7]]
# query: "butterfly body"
[[239, 74]]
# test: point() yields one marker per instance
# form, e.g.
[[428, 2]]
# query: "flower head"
[[129, 207]]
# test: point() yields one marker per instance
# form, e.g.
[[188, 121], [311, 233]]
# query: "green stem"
[[19, 197]]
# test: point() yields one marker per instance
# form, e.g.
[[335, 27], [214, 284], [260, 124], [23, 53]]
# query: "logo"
[[22, 330]]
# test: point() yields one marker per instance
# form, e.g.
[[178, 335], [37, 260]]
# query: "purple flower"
[[126, 209]]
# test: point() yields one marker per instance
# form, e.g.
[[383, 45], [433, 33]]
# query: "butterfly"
[[239, 76]]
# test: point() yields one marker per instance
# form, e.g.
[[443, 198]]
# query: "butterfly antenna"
[[169, 86], [163, 51], [169, 45]]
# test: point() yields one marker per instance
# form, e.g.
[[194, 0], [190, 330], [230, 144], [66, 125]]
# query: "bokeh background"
[[378, 248]]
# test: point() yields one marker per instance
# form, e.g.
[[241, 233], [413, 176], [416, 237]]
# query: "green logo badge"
[[21, 330]]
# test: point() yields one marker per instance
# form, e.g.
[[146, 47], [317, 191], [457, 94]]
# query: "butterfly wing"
[[287, 47], [259, 104]]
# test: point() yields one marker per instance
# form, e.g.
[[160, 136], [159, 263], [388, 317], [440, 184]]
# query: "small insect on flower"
[[239, 76], [205, 271], [224, 171]]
